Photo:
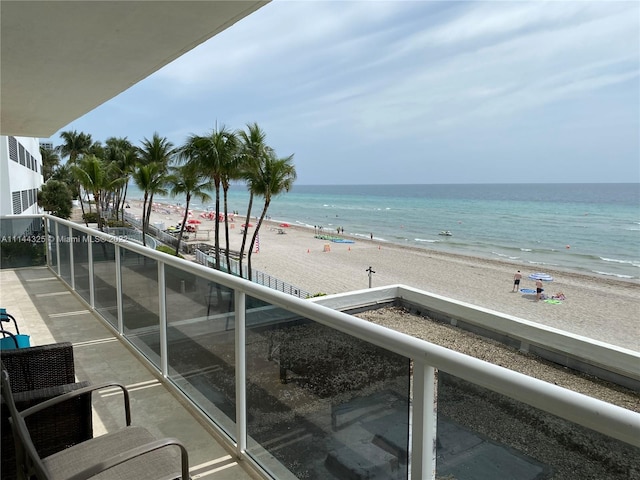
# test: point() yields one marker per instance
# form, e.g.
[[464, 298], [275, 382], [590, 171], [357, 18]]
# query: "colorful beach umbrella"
[[194, 221], [247, 225], [285, 225]]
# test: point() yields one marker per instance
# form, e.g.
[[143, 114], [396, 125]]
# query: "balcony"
[[259, 384]]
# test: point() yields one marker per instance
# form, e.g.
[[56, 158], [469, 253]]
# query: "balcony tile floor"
[[49, 312]]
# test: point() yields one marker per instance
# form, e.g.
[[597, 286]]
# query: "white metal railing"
[[257, 276], [427, 358]]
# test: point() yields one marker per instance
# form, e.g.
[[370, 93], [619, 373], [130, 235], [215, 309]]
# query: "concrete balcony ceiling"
[[61, 59]]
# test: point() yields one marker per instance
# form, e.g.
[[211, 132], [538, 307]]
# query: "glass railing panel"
[[53, 246], [201, 343], [64, 244], [486, 435], [81, 263], [322, 404], [104, 280], [22, 242], [140, 301]]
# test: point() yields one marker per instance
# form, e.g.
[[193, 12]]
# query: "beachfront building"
[[20, 175], [284, 387]]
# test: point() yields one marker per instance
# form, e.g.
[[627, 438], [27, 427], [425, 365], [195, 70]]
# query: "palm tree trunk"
[[184, 222], [144, 215], [145, 224], [124, 198], [117, 198], [88, 199], [216, 239], [255, 235], [226, 229], [96, 197], [244, 234], [86, 222]]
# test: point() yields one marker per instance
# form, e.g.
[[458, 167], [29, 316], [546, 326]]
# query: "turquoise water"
[[589, 228]]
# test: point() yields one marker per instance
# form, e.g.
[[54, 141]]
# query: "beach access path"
[[596, 307]]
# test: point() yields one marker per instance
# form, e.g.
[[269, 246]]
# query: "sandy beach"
[[596, 307]]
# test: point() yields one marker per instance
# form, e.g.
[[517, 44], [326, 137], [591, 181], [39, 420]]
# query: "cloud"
[[342, 82]]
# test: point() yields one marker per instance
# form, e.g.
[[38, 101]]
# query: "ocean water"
[[588, 228]]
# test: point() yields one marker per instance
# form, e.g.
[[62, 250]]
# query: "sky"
[[410, 92]]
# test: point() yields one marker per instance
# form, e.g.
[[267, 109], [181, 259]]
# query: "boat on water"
[[446, 233]]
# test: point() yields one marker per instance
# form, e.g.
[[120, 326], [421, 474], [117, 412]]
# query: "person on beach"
[[371, 236], [516, 281], [538, 289]]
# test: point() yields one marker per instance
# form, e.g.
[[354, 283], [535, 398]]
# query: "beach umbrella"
[[194, 221], [545, 277], [247, 225], [285, 225]]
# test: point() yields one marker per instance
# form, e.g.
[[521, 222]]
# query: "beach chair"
[[128, 453]]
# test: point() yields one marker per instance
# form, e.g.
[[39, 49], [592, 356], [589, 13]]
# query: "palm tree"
[[186, 180], [214, 154], [148, 180], [121, 155], [158, 151], [75, 144], [276, 175], [90, 173], [253, 152], [229, 171], [50, 161], [115, 182]]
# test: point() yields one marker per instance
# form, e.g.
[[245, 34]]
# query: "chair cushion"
[[160, 464]]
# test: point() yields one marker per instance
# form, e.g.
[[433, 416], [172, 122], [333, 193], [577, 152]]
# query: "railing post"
[[241, 373], [71, 260], [119, 289], [162, 311], [423, 434], [57, 247], [47, 243], [90, 262]]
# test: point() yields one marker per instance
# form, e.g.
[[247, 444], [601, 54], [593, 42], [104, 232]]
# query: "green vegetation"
[[22, 254], [168, 251], [98, 174], [56, 198], [90, 217]]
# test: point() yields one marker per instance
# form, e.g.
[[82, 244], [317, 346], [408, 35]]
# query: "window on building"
[[17, 204], [13, 149], [22, 155]]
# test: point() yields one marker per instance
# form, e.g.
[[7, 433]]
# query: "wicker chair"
[[128, 453], [38, 374]]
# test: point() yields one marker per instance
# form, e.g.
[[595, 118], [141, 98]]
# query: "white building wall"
[[20, 175]]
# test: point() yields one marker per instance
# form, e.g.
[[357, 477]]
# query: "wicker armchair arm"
[[81, 391], [134, 453]]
